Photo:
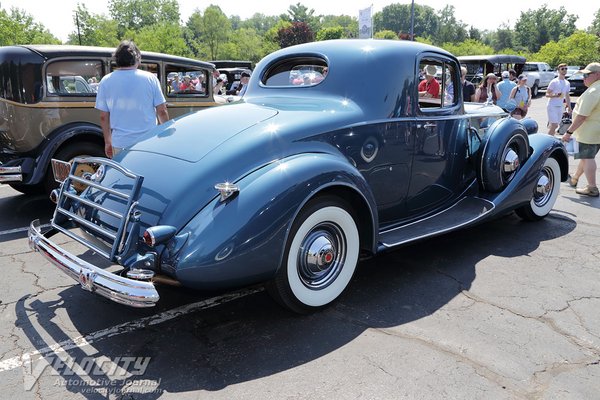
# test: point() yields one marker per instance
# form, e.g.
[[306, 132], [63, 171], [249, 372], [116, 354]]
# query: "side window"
[[438, 84], [187, 81], [73, 77], [296, 72]]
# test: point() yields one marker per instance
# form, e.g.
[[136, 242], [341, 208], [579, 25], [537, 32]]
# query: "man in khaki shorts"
[[586, 129]]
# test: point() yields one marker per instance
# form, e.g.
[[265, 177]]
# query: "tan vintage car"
[[47, 97]]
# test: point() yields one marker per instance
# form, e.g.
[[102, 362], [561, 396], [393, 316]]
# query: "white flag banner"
[[365, 28]]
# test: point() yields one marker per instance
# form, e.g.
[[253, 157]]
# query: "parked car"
[[539, 75], [576, 82], [232, 70], [479, 66], [48, 105], [302, 181]]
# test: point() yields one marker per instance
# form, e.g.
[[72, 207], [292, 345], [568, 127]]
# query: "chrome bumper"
[[122, 290], [10, 174]]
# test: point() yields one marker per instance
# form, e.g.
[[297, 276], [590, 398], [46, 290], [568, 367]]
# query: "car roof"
[[495, 58], [53, 51]]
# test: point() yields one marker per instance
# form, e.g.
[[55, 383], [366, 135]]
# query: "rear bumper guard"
[[119, 289]]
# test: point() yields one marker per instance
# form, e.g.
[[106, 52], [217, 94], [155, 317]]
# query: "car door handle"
[[430, 125]]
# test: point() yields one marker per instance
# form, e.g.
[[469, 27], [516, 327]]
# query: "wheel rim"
[[321, 256], [544, 187]]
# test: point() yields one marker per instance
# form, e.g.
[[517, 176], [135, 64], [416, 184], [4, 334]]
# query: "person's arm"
[[473, 95], [105, 125], [577, 121], [477, 94], [162, 113], [568, 100], [513, 92], [498, 93]]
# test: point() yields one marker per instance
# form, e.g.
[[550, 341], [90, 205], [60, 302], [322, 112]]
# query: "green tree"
[[94, 29], [449, 29], [244, 44], [396, 18], [386, 34], [19, 27], [349, 24], [594, 28], [163, 37], [503, 38], [468, 47], [300, 13], [298, 33], [534, 28], [133, 15], [336, 32], [208, 32], [581, 48], [260, 23]]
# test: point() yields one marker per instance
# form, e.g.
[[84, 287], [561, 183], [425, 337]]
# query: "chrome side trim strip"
[[10, 174], [122, 290]]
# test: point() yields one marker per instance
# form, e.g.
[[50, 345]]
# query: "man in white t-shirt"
[[130, 101], [559, 100]]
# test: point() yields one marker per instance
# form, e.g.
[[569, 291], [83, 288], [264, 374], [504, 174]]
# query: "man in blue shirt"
[[130, 101]]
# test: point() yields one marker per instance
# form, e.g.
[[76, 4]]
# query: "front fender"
[[241, 241]]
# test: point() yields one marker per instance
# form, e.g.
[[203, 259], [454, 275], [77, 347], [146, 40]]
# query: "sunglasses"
[[587, 74], [562, 69]]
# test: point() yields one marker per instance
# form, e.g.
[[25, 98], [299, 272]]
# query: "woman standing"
[[521, 94], [488, 91]]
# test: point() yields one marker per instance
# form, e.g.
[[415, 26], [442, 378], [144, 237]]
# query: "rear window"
[[296, 72]]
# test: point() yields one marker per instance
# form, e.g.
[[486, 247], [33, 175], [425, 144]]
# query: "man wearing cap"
[[558, 99], [505, 87], [429, 87], [586, 129], [239, 88]]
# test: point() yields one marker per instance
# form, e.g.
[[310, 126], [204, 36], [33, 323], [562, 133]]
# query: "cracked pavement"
[[505, 310]]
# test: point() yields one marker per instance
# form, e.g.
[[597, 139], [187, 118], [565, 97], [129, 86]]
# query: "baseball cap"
[[505, 74], [593, 67], [522, 77], [247, 73]]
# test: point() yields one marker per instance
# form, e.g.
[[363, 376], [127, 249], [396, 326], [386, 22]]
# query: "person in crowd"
[[175, 83], [186, 85], [239, 88], [217, 81], [130, 101], [559, 100], [586, 129], [513, 75], [521, 94], [488, 91], [505, 87], [467, 87], [429, 87]]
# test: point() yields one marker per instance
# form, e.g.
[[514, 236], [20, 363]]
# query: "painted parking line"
[[126, 327], [17, 230]]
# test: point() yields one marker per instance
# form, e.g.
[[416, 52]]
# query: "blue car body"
[[357, 135]]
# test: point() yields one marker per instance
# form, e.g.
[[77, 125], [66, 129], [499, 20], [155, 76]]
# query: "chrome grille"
[[76, 205]]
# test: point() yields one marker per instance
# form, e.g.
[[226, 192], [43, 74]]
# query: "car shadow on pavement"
[[252, 337], [18, 211]]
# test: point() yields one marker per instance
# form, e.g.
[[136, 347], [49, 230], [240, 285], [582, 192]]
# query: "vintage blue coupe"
[[332, 156]]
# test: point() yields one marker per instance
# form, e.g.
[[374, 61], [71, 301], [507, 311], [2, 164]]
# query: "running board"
[[465, 212]]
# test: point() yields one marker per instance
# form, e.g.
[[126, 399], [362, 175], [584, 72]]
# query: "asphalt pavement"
[[504, 310]]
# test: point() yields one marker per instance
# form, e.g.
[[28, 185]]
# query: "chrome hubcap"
[[511, 161], [544, 187], [321, 256]]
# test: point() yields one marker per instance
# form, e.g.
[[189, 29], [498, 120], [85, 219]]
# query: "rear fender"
[[520, 190], [241, 241]]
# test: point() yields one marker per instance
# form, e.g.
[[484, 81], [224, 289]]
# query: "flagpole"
[[412, 20], [372, 20]]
